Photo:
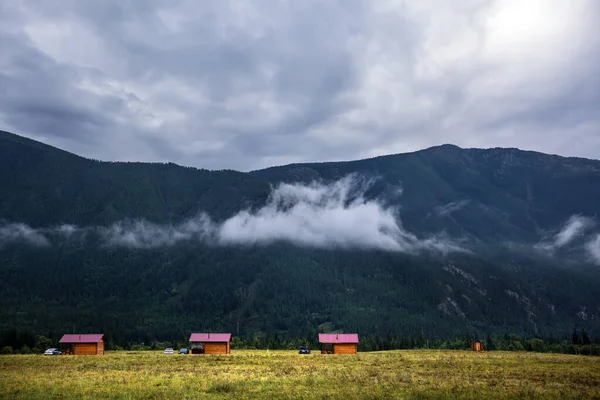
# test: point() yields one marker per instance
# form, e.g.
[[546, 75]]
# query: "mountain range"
[[438, 242]]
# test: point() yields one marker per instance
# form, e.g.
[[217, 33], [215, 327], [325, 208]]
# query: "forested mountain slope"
[[437, 242], [489, 195], [42, 185]]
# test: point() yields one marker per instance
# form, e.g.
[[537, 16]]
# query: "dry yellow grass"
[[416, 374]]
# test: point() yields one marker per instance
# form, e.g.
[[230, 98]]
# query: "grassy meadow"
[[416, 374]]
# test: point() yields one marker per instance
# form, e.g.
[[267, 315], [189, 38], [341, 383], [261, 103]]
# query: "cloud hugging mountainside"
[[317, 215], [447, 197], [441, 238]]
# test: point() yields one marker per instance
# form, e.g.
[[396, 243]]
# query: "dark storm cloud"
[[37, 96], [249, 84]]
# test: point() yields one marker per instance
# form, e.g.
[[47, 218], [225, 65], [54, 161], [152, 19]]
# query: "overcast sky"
[[253, 83]]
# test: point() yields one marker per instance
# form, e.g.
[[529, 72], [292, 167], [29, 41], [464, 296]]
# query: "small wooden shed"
[[342, 343], [477, 346], [82, 344], [210, 343]]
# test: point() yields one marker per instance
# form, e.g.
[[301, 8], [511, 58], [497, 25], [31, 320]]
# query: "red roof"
[[210, 337], [338, 337], [77, 338]]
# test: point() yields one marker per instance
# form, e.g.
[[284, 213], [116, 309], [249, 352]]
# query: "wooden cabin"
[[477, 346], [338, 343], [82, 344], [210, 343]]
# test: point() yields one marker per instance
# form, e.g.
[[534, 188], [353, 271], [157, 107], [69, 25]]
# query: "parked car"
[[169, 350], [52, 351], [183, 350], [304, 350]]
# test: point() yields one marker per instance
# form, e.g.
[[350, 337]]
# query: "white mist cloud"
[[593, 248], [322, 216], [143, 234], [22, 233], [447, 209], [316, 215], [573, 228], [66, 230]]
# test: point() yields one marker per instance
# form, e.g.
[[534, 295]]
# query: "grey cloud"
[[314, 216], [66, 231], [37, 96], [232, 70], [246, 85], [142, 234], [17, 232]]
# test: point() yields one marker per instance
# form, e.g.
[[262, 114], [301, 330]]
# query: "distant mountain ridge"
[[539, 191], [524, 194], [61, 215]]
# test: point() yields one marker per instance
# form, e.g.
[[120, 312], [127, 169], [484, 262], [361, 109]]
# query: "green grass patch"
[[411, 374]]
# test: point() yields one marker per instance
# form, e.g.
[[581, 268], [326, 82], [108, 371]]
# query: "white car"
[[169, 350], [52, 351]]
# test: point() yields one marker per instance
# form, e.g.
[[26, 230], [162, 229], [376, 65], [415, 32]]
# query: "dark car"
[[304, 350], [183, 350]]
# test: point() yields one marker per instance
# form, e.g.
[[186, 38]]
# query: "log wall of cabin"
[[85, 349], [344, 348], [477, 346], [216, 348]]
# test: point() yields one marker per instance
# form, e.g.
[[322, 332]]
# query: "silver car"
[[52, 351]]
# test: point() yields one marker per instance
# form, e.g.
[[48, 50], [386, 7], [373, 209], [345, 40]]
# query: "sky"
[[250, 84]]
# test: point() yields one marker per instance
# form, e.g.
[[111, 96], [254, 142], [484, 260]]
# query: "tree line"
[[13, 341]]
